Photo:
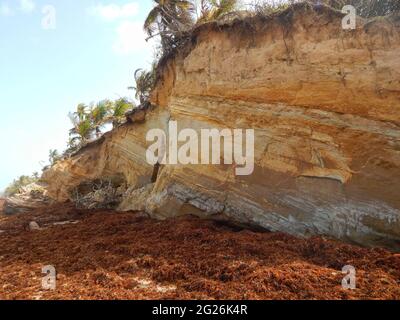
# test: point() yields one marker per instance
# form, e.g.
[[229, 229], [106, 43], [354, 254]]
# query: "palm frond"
[[121, 106], [144, 83], [151, 20], [216, 9]]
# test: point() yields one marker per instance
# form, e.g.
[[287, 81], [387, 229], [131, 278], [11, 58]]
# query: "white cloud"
[[27, 6], [130, 38], [5, 10], [114, 11]]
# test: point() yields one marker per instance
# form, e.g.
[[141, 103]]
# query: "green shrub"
[[17, 184]]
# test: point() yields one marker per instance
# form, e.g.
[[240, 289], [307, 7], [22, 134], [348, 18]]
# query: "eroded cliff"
[[325, 106]]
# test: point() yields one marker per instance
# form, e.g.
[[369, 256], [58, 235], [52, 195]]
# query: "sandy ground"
[[110, 255]]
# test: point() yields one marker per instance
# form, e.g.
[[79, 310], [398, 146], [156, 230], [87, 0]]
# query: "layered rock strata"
[[325, 106]]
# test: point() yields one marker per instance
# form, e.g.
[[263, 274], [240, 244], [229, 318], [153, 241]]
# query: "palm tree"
[[144, 84], [118, 110], [98, 115], [215, 9], [81, 111], [169, 18], [81, 131], [53, 156]]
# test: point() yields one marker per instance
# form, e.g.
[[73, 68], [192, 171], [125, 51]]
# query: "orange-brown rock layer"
[[325, 106]]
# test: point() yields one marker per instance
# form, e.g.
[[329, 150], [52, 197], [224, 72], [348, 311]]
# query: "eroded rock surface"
[[325, 106], [28, 198], [2, 202]]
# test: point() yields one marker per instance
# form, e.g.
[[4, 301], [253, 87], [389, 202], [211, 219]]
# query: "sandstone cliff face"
[[2, 202], [325, 107]]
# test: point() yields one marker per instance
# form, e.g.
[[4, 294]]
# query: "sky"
[[55, 54]]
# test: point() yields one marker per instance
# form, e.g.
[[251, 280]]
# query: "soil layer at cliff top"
[[110, 255]]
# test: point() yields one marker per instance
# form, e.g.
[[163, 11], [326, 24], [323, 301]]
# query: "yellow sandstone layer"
[[325, 106]]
